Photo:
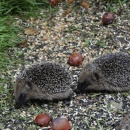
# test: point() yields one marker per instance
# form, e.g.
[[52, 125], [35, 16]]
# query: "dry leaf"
[[85, 5], [30, 31], [23, 43], [66, 12], [32, 18], [69, 1]]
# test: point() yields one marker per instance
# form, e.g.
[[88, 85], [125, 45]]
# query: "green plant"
[[20, 6], [121, 2], [100, 43], [8, 34], [8, 38]]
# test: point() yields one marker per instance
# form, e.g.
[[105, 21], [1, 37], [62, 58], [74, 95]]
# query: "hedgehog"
[[108, 73], [44, 81]]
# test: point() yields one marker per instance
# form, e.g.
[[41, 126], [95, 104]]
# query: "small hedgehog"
[[109, 73], [47, 81]]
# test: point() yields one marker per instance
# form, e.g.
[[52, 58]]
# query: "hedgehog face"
[[22, 90], [88, 79], [89, 83]]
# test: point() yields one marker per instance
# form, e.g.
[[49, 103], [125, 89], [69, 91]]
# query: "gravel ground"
[[54, 38]]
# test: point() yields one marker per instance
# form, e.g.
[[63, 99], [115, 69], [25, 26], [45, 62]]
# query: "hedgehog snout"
[[20, 101], [77, 91], [79, 88], [82, 87]]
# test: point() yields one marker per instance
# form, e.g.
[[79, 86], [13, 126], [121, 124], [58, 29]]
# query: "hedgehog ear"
[[96, 75]]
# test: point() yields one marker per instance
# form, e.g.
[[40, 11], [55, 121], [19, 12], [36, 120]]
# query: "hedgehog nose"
[[77, 91]]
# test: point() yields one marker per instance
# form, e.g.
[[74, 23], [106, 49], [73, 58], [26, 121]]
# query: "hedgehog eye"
[[96, 75]]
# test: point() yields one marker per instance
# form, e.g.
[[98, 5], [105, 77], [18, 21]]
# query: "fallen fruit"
[[66, 12], [107, 18], [75, 59], [42, 120], [60, 124]]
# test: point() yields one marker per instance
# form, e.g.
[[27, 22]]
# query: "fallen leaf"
[[32, 18], [69, 1], [30, 31], [66, 12], [23, 43], [85, 5]]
